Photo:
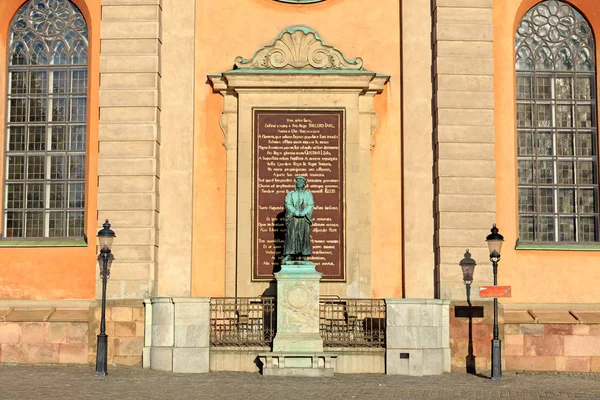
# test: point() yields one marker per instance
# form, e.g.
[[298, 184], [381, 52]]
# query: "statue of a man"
[[298, 219]]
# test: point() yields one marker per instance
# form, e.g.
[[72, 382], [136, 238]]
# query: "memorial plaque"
[[288, 143]]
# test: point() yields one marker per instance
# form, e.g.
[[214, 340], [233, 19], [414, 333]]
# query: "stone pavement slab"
[[79, 382]]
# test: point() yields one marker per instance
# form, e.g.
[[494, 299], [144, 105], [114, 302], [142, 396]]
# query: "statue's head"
[[300, 181]]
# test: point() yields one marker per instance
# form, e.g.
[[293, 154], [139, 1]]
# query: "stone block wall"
[[32, 335], [478, 330], [125, 330], [552, 340], [546, 338]]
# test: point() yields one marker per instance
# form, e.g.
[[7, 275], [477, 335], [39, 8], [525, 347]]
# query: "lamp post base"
[[496, 359], [102, 355]]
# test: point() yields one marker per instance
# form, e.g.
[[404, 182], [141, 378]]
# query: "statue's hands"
[[297, 214]]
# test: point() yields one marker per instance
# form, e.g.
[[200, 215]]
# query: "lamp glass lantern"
[[106, 236], [494, 241]]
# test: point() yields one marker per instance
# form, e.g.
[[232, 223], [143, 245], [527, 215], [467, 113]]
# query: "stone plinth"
[[417, 337], [298, 346], [298, 308], [180, 334]]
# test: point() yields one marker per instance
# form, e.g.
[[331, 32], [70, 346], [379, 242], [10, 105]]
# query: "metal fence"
[[242, 321], [251, 321], [352, 322]]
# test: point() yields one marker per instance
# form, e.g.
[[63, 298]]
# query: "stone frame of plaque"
[[299, 71], [288, 142]]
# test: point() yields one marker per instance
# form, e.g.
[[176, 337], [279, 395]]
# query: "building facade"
[[452, 115]]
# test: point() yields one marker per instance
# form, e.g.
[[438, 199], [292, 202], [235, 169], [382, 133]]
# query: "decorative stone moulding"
[[299, 47], [298, 71]]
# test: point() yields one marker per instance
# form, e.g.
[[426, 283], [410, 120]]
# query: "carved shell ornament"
[[298, 48]]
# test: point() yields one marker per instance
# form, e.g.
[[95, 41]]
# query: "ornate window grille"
[[556, 126], [45, 148]]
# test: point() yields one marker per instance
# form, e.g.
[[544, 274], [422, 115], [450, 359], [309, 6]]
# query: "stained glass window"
[[45, 159], [557, 146]]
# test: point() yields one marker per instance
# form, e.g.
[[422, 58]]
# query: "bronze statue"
[[299, 205]]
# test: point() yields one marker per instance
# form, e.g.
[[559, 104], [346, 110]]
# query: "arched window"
[[557, 145], [45, 146]]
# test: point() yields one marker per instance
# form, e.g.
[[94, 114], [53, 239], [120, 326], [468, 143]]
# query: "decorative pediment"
[[299, 48]]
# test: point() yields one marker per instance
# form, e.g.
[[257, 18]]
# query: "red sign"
[[495, 291]]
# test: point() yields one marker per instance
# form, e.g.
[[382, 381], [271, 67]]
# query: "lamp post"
[[494, 241], [105, 259]]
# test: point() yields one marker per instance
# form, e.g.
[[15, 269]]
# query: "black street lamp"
[[105, 259], [494, 241]]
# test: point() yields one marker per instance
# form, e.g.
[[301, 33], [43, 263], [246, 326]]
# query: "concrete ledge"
[[191, 360], [314, 373], [418, 362], [235, 359], [298, 364], [47, 303], [146, 357], [161, 358]]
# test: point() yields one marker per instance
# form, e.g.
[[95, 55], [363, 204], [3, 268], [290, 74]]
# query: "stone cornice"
[[362, 82]]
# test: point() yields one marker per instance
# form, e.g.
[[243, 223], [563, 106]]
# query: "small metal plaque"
[[404, 356], [468, 312]]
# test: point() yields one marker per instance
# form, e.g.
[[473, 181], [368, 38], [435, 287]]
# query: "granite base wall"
[[552, 347], [67, 335], [534, 338], [480, 332]]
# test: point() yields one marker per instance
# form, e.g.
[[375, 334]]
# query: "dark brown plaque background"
[[288, 143]]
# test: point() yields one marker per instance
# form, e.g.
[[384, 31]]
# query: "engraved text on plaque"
[[288, 143]]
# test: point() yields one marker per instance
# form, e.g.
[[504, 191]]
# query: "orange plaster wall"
[[535, 276], [62, 272], [228, 28]]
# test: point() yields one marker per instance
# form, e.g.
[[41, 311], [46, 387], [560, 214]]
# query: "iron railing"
[[242, 321], [251, 321], [352, 322]]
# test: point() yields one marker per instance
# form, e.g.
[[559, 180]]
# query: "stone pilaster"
[[417, 152], [174, 256], [129, 140], [464, 138]]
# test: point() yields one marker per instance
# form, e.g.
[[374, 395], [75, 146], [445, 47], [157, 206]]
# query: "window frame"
[[91, 17], [555, 158]]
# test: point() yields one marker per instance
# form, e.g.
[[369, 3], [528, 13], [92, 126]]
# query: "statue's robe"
[[297, 238]]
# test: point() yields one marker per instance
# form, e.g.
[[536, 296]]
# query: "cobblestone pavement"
[[79, 382]]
